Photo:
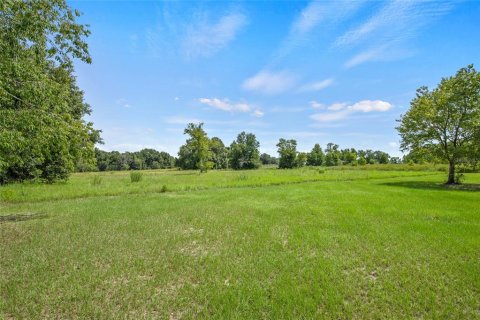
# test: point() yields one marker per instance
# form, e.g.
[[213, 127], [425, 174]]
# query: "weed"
[[136, 176], [96, 181]]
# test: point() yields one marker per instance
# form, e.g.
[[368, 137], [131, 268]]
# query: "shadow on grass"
[[22, 217], [425, 185]]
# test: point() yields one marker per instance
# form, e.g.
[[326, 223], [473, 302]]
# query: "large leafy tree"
[[287, 150], [445, 120], [315, 157], [244, 153], [199, 144], [332, 155], [219, 153], [42, 131]]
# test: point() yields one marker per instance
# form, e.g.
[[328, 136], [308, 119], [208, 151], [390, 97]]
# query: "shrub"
[[164, 189], [96, 181], [321, 171], [136, 176]]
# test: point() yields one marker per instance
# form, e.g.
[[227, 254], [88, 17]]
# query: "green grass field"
[[264, 244]]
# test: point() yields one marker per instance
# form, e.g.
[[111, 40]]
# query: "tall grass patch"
[[136, 176]]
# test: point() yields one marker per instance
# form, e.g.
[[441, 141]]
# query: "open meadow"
[[265, 244]]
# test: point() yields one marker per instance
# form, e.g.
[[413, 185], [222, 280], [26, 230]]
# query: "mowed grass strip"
[[403, 247]]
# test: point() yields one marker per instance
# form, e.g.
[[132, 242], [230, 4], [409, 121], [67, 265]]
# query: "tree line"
[[203, 153], [140, 160]]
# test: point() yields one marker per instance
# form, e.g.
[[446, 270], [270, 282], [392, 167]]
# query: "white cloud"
[[176, 98], [309, 17], [226, 105], [368, 55], [388, 52], [393, 144], [369, 106], [270, 83], [337, 106], [316, 86], [206, 38], [340, 111], [317, 105]]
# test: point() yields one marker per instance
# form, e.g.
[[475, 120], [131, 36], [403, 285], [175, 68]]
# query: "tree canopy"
[[42, 132], [287, 150], [244, 153], [445, 121]]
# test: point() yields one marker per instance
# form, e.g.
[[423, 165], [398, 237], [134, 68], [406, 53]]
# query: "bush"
[[136, 176], [164, 189], [362, 161], [96, 181]]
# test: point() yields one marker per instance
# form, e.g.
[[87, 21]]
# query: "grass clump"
[[136, 176], [96, 181]]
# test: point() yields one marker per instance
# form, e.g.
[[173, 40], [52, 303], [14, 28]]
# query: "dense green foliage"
[[244, 153], [316, 157], [267, 159], [42, 131], [200, 152], [445, 122], [141, 160], [196, 152], [219, 153], [287, 150], [359, 244]]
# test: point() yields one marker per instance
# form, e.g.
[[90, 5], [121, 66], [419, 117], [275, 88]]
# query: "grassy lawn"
[[264, 244]]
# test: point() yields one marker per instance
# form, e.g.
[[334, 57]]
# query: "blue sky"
[[317, 72]]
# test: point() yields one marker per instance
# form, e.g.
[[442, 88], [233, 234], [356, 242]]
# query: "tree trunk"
[[451, 173]]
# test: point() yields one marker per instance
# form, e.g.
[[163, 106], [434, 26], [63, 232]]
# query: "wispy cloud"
[[309, 18], [316, 86], [270, 82], [315, 14], [340, 111], [257, 113], [226, 105], [203, 35], [205, 38], [387, 31], [317, 105], [337, 106]]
